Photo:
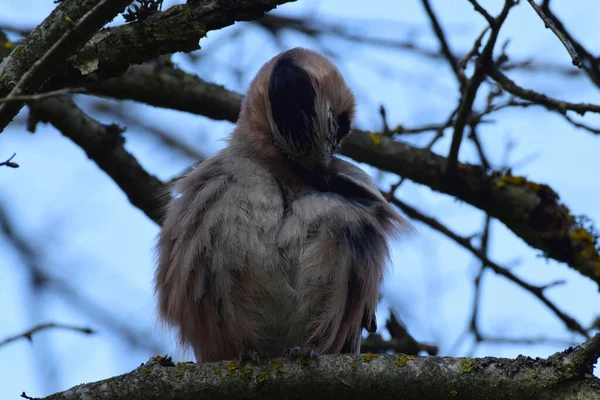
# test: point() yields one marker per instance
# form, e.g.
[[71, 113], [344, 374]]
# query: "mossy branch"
[[561, 376], [178, 29], [75, 32], [37, 43], [531, 210]]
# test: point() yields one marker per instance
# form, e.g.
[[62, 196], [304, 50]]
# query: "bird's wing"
[[342, 261], [217, 243]]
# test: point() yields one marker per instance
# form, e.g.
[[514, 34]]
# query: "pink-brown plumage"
[[274, 242]]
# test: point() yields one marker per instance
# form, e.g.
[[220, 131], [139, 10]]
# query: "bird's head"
[[301, 103]]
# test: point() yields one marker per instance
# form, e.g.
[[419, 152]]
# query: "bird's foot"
[[302, 353], [252, 355]]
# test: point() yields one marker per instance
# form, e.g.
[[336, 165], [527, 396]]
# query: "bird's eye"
[[343, 123]]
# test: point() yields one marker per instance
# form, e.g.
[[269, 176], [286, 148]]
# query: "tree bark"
[[564, 375]]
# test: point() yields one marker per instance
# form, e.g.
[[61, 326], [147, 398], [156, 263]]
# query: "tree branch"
[[37, 43], [537, 291], [158, 85], [104, 145], [9, 163], [110, 52], [51, 325], [539, 98], [471, 88], [531, 210], [74, 36], [130, 332], [564, 375], [561, 36], [374, 343], [444, 47]]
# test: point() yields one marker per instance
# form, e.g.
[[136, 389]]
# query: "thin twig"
[[444, 47], [580, 125], [483, 12], [471, 88], [130, 333], [539, 98], [385, 128], [9, 163], [39, 96], [462, 64], [42, 327], [538, 292], [552, 26], [485, 163], [485, 239], [528, 340]]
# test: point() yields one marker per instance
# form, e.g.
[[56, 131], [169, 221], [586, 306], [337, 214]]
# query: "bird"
[[276, 246]]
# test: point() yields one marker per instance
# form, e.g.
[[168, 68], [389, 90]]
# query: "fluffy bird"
[[274, 243]]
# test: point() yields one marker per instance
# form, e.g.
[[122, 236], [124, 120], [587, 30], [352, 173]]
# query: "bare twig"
[[42, 327], [581, 125], [385, 127], [491, 20], [590, 64], [473, 325], [485, 163], [131, 119], [444, 47], [462, 64], [104, 145], [539, 98], [527, 340], [130, 333], [374, 343], [319, 29], [39, 96], [550, 25], [538, 292], [471, 88], [9, 163]]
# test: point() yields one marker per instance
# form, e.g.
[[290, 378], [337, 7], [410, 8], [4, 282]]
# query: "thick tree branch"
[[531, 210], [110, 52], [37, 43], [104, 145], [158, 85], [75, 35], [565, 375]]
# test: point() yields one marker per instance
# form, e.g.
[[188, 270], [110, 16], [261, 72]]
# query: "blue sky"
[[86, 232]]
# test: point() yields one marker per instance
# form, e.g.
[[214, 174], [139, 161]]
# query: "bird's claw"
[[252, 355], [309, 352]]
